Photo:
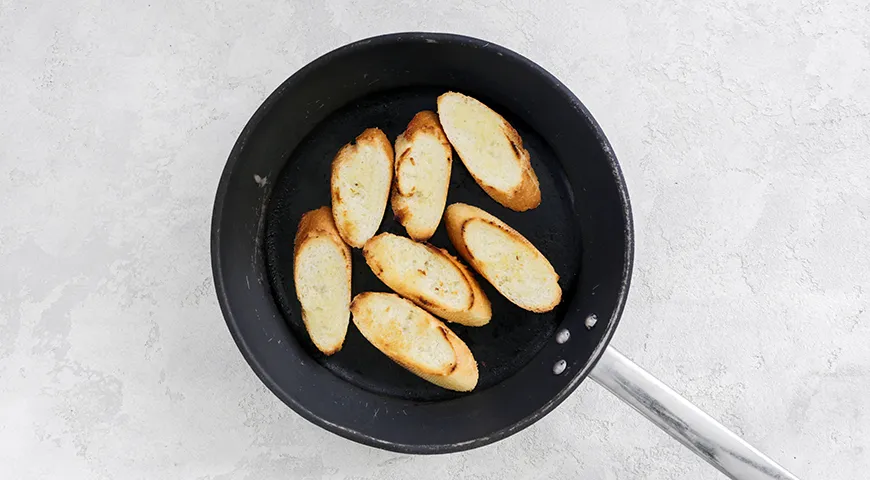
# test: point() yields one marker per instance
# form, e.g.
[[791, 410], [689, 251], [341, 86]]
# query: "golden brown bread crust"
[[461, 375], [396, 343], [459, 215], [527, 194], [480, 312], [400, 187], [424, 302], [455, 218], [420, 369], [391, 342], [313, 224], [475, 312], [374, 136], [464, 376], [423, 123]]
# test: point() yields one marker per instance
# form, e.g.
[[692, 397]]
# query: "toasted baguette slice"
[[491, 150], [423, 161], [362, 172], [321, 272], [414, 339], [429, 277], [504, 257]]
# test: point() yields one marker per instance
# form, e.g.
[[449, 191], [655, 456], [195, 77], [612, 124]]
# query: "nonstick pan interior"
[[279, 168], [514, 335]]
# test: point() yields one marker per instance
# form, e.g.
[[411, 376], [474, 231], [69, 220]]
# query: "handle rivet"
[[591, 320]]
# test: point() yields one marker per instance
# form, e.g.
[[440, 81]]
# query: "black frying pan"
[[529, 363]]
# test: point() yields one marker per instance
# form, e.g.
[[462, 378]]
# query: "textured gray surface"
[[742, 128]]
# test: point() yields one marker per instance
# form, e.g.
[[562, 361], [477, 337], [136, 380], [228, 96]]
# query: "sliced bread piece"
[[491, 150], [423, 161], [429, 277], [362, 172], [504, 257], [321, 273], [414, 339]]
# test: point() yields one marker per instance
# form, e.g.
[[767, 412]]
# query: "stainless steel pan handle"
[[684, 421]]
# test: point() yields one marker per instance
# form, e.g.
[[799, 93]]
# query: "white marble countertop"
[[742, 128]]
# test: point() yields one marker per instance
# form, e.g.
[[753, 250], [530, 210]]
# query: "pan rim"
[[355, 435]]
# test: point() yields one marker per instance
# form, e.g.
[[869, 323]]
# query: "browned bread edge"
[[319, 223], [527, 194], [462, 377], [480, 310], [425, 122], [456, 218], [345, 153]]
